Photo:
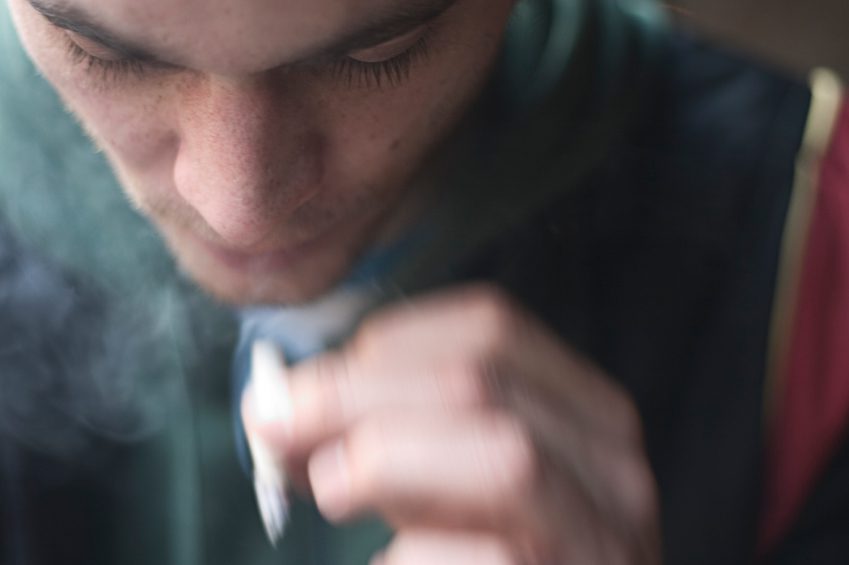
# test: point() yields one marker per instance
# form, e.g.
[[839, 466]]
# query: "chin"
[[287, 285], [283, 288], [282, 292]]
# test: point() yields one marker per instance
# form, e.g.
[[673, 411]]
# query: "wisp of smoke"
[[96, 325]]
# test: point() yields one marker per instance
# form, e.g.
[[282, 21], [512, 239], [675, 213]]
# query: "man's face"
[[269, 140]]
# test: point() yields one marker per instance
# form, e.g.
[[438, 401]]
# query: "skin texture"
[[481, 438], [266, 167], [458, 417]]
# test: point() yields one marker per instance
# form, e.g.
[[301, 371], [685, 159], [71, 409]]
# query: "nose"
[[248, 156]]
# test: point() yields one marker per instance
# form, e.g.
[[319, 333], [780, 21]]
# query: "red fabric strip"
[[813, 411]]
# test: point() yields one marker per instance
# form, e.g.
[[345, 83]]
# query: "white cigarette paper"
[[271, 401]]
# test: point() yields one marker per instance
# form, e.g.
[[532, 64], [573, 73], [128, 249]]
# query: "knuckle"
[[405, 549], [635, 538], [315, 405], [398, 552], [323, 397], [622, 418], [367, 343], [630, 421], [483, 549], [520, 464], [638, 490], [469, 384], [493, 314], [645, 497], [502, 555], [366, 451], [497, 551], [541, 549]]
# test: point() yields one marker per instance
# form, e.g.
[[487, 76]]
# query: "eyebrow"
[[386, 25], [73, 20], [391, 23]]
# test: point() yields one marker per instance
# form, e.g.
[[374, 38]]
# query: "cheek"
[[131, 124], [131, 127], [386, 132], [138, 137], [383, 136], [134, 136], [378, 139], [125, 121]]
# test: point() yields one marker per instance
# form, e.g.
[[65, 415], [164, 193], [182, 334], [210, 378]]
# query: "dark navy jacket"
[[660, 265]]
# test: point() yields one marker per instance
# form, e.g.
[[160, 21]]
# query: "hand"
[[477, 435]]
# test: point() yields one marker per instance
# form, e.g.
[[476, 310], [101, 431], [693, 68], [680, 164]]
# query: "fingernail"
[[328, 470]]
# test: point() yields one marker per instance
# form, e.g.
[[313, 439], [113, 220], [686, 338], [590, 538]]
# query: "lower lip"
[[272, 261]]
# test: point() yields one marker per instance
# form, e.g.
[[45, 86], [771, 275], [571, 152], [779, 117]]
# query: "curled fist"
[[475, 433]]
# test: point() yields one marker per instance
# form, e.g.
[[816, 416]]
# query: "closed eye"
[[388, 63], [97, 58]]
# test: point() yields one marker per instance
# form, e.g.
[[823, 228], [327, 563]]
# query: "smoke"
[[98, 331], [67, 364]]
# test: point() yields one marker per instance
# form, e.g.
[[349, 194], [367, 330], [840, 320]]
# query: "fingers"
[[470, 321], [413, 359], [464, 472], [335, 392], [449, 352], [419, 547], [458, 413]]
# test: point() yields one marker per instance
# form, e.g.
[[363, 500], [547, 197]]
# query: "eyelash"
[[107, 69], [355, 73], [393, 71]]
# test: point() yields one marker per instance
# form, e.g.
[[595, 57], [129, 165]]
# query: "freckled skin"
[[458, 419], [266, 178]]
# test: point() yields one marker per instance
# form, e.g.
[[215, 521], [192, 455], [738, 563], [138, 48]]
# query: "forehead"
[[237, 35]]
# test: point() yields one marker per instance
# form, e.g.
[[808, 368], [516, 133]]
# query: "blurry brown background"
[[798, 34]]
